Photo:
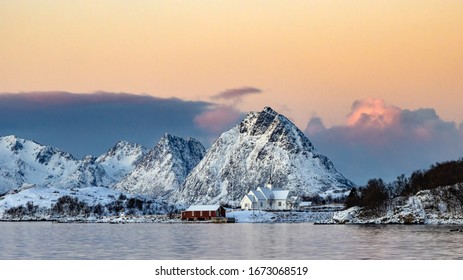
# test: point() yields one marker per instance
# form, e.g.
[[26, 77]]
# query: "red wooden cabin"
[[203, 212]]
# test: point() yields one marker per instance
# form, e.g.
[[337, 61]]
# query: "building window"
[[261, 204], [279, 203]]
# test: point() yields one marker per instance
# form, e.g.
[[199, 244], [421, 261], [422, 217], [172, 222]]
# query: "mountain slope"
[[164, 168], [24, 162], [120, 160], [27, 162], [41, 182], [264, 144]]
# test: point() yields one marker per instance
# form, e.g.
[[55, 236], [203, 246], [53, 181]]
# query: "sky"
[[376, 85]]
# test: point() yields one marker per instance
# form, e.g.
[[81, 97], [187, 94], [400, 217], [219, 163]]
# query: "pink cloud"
[[372, 112], [380, 140], [218, 119], [223, 116]]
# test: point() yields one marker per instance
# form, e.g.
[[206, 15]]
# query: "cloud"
[[380, 140], [372, 112], [315, 126], [221, 117], [91, 123], [236, 93], [218, 119]]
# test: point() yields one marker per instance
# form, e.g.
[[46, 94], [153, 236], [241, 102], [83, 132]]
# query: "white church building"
[[268, 198]]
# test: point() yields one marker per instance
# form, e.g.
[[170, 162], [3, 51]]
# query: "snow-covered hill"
[[164, 168], [442, 205], [264, 144], [76, 204]]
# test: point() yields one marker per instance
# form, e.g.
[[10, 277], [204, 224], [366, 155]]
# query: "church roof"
[[266, 192], [281, 194], [257, 194], [250, 197]]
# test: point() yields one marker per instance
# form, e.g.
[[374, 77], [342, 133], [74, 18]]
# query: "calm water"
[[43, 240]]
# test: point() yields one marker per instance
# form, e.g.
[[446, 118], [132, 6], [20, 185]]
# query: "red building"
[[203, 212]]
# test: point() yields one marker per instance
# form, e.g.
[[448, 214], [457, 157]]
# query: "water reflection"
[[227, 241]]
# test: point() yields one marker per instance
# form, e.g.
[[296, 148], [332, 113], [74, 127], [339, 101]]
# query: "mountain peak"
[[169, 138], [14, 143], [264, 144], [257, 123], [122, 144], [269, 110], [121, 159], [122, 149], [176, 144], [164, 168], [9, 138]]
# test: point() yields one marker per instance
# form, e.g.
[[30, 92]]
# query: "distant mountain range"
[[177, 170]]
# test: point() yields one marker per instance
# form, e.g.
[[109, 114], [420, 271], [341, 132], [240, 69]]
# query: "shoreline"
[[255, 217]]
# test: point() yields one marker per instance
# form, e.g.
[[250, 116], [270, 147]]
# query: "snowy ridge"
[[34, 178], [24, 162], [164, 168], [120, 160], [87, 174], [27, 162], [264, 144], [40, 182]]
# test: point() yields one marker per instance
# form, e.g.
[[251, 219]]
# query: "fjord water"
[[46, 240]]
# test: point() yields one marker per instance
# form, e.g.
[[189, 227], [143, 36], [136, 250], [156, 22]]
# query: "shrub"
[[70, 206], [375, 196], [353, 199]]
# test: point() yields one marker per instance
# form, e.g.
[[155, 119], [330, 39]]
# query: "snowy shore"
[[440, 206], [240, 217], [349, 216]]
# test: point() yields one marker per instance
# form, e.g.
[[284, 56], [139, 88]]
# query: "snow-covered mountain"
[[27, 162], [178, 170], [264, 144], [164, 168], [24, 162], [120, 160], [40, 182]]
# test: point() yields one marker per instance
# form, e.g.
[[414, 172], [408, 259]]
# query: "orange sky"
[[308, 57]]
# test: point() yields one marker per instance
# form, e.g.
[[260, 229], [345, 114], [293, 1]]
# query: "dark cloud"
[[91, 123], [236, 93], [385, 141]]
